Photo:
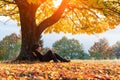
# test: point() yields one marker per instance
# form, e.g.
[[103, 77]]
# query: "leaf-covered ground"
[[80, 70]]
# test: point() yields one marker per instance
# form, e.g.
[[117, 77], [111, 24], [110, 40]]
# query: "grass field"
[[74, 70]]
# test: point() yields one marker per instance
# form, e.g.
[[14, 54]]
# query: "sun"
[[57, 3]]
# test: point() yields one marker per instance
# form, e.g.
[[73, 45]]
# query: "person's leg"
[[49, 56], [60, 58]]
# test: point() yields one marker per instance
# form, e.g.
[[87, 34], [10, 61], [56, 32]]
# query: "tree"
[[12, 53], [8, 44], [101, 49], [69, 48], [73, 16], [116, 48], [2, 52], [96, 55]]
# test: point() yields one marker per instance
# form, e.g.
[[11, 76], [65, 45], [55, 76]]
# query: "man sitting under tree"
[[49, 55]]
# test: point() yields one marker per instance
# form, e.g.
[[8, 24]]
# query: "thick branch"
[[54, 18]]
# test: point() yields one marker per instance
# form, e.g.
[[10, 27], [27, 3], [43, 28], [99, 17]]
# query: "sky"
[[48, 39]]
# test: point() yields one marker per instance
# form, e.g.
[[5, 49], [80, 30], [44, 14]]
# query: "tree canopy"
[[80, 16]]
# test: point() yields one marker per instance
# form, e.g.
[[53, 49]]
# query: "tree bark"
[[28, 30]]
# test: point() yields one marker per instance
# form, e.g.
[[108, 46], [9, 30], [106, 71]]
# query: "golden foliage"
[[80, 16], [9, 9], [44, 11], [85, 16]]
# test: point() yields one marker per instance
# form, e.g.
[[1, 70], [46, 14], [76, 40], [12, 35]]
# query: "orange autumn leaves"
[[82, 70]]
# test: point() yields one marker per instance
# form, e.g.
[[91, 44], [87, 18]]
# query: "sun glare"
[[57, 3]]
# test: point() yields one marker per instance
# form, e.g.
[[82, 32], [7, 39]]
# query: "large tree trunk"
[[28, 30]]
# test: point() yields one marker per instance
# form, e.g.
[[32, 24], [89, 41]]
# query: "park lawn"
[[74, 70]]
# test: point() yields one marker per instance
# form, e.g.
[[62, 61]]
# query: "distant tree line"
[[102, 50], [68, 48]]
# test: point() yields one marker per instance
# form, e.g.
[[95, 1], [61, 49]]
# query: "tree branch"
[[12, 11], [71, 7], [54, 18], [114, 7]]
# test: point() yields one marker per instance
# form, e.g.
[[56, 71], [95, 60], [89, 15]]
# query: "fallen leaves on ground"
[[82, 70]]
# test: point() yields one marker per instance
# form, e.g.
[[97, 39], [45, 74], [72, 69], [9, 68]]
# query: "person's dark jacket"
[[39, 56]]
